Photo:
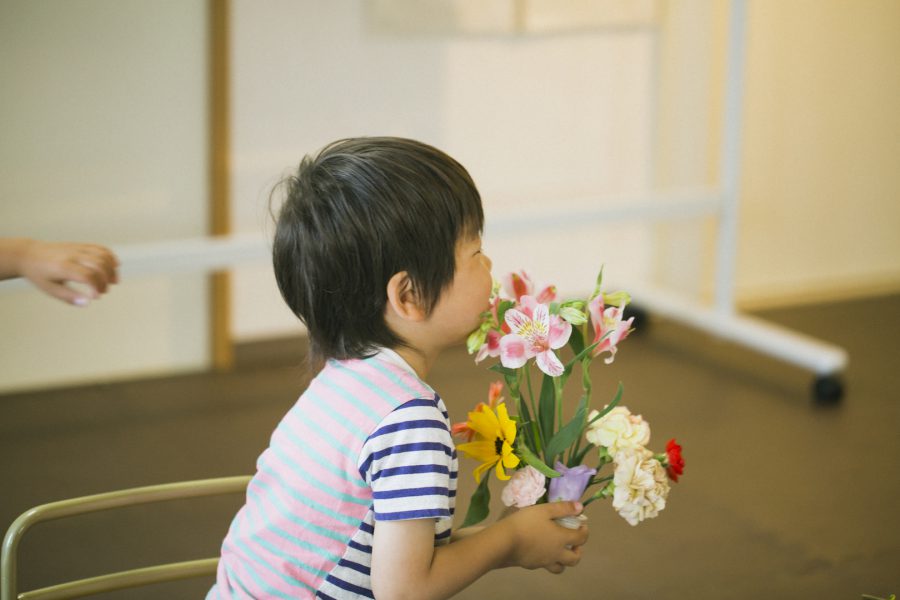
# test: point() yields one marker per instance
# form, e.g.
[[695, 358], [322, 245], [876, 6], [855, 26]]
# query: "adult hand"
[[50, 266]]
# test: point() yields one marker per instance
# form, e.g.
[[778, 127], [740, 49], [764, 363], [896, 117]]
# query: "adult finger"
[[102, 266], [88, 274], [104, 259], [62, 292]]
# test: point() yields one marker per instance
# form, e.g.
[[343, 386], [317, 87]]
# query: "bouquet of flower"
[[522, 325]]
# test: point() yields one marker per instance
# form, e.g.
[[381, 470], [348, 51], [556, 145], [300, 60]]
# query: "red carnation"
[[674, 460]]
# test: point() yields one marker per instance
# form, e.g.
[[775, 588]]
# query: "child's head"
[[356, 214]]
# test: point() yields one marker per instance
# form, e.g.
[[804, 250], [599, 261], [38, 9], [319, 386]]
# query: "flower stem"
[[604, 492], [515, 390], [596, 480], [530, 392], [535, 427], [586, 386], [557, 395]]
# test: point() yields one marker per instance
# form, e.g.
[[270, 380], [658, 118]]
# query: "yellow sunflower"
[[493, 445]]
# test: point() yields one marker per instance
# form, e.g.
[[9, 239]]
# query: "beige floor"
[[781, 498]]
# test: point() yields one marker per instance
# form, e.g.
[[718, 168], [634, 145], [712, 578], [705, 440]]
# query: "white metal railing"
[[206, 254]]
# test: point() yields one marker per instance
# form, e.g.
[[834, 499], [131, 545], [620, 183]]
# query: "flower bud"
[[603, 455], [619, 299], [599, 283], [573, 315], [608, 491], [476, 340]]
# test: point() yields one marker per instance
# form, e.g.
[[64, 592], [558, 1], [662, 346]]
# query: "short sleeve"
[[407, 461]]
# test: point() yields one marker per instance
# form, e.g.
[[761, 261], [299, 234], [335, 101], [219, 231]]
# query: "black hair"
[[355, 214]]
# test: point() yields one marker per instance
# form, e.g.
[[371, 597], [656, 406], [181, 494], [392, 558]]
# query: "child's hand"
[[539, 542], [407, 564]]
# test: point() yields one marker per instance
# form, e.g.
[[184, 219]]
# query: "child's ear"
[[402, 298]]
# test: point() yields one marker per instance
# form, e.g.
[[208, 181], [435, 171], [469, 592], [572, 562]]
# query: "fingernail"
[[80, 301], [579, 506]]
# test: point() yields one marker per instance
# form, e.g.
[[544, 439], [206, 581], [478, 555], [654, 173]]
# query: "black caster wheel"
[[827, 389], [641, 318]]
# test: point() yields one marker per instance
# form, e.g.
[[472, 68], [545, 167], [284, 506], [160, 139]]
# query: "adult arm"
[[50, 266]]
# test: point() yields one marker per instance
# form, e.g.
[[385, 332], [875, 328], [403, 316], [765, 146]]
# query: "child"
[[378, 251]]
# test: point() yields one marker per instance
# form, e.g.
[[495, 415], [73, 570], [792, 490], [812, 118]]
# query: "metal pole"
[[729, 172]]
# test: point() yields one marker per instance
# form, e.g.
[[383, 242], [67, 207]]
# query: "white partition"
[[103, 121], [103, 112], [543, 117]]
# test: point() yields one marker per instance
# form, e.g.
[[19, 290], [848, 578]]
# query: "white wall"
[[103, 114], [543, 118], [821, 183], [539, 121], [103, 121], [819, 211]]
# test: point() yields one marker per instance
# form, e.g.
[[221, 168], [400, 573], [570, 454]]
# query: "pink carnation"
[[524, 488]]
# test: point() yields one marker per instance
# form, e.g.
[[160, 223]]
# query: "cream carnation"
[[525, 487], [641, 486], [617, 430]]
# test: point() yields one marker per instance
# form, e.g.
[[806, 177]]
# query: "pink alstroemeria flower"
[[519, 283], [559, 327], [491, 346], [533, 337], [547, 295], [608, 322]]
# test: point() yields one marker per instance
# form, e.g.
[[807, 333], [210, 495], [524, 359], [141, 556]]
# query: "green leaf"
[[547, 408], [479, 504], [504, 306], [611, 405], [568, 434], [576, 460], [505, 371], [576, 341], [531, 459], [584, 352], [525, 426], [510, 375]]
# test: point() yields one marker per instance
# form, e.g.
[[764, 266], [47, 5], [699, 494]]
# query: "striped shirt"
[[367, 441]]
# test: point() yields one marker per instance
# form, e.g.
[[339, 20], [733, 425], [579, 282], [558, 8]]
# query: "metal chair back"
[[106, 501]]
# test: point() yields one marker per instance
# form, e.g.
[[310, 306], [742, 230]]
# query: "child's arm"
[[407, 565]]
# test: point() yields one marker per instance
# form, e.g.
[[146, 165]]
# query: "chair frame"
[[106, 501]]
